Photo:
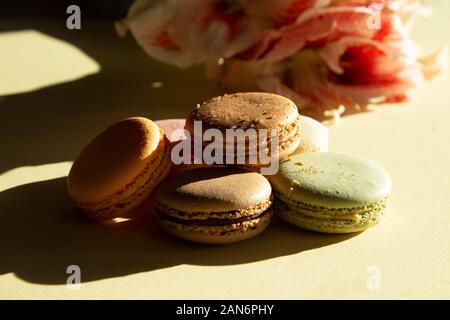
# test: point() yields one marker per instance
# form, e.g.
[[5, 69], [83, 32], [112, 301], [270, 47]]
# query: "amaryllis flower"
[[329, 67], [323, 54], [184, 32]]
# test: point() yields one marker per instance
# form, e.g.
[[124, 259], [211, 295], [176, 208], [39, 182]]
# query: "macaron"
[[119, 168], [175, 132], [250, 110], [314, 136], [173, 128], [331, 193], [215, 205]]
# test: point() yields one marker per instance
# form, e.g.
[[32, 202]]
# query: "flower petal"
[[311, 29], [332, 52], [287, 11], [150, 26], [210, 29], [366, 70], [308, 76], [435, 63]]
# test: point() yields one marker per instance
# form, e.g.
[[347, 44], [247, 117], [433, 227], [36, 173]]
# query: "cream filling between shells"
[[354, 214], [222, 230], [229, 215]]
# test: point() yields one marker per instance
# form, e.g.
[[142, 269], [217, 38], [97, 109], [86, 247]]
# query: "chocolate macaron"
[[215, 205], [265, 113], [119, 168]]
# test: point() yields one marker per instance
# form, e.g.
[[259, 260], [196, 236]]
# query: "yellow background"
[[58, 88]]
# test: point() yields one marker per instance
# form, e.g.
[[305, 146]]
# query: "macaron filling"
[[230, 229], [230, 215], [216, 223], [211, 221], [327, 225], [348, 213]]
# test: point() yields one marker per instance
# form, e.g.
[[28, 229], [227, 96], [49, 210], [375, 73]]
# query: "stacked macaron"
[[271, 117], [229, 202]]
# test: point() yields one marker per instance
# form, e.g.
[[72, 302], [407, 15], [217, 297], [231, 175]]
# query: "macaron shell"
[[218, 234], [331, 180], [173, 129], [287, 149], [113, 159], [314, 136], [136, 193], [219, 189], [244, 110]]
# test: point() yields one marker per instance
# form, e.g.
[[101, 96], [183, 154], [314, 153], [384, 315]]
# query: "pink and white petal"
[[139, 6], [365, 3], [319, 24], [400, 98], [151, 29], [370, 71], [293, 39], [286, 12], [332, 52], [276, 45], [267, 41], [278, 13], [435, 63], [307, 85], [308, 76], [209, 29]]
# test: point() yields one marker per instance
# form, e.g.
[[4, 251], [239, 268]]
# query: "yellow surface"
[[23, 74], [41, 233]]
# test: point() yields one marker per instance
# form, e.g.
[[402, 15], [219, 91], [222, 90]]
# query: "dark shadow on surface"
[[41, 234], [52, 124]]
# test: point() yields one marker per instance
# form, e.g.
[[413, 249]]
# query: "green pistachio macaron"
[[215, 205], [331, 193]]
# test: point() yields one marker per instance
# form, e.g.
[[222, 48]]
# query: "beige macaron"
[[119, 168], [215, 205]]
